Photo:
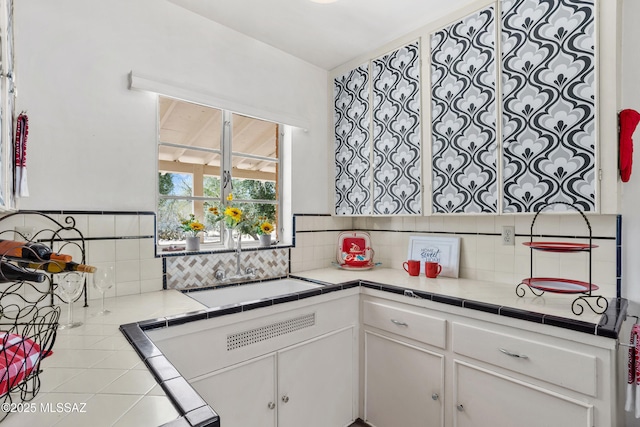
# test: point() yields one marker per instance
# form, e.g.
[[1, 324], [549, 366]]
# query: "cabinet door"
[[463, 116], [397, 183], [352, 119], [403, 384], [242, 395], [487, 399], [316, 382], [548, 104]]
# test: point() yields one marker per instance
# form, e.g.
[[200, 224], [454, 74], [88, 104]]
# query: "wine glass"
[[103, 280], [70, 286]]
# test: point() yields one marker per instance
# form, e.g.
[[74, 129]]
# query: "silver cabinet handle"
[[460, 408], [508, 353], [435, 396], [271, 405], [399, 322], [285, 398]]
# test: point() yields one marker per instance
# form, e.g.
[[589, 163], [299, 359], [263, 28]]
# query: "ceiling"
[[192, 125], [326, 35]]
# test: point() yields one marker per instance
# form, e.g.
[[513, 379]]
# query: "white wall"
[[631, 189], [92, 141]]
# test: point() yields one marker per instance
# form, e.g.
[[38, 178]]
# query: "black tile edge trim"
[[162, 369], [393, 289], [180, 319], [331, 288], [371, 285], [193, 410], [230, 285], [150, 324], [220, 251], [268, 302], [481, 306], [189, 399], [445, 299], [572, 324], [223, 311], [469, 233], [308, 294], [612, 320], [308, 214], [202, 417], [516, 313], [79, 212]]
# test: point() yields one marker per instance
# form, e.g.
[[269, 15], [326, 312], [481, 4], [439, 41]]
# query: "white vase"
[[229, 243], [265, 240], [193, 243]]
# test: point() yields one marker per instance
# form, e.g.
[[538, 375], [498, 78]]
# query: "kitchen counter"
[[94, 364], [497, 298]]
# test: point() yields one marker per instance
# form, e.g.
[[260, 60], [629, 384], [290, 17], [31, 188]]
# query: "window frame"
[[226, 173]]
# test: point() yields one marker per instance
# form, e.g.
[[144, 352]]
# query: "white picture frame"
[[444, 250]]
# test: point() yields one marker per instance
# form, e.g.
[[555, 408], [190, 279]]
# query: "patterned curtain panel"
[[548, 103], [463, 115], [352, 143], [396, 132]]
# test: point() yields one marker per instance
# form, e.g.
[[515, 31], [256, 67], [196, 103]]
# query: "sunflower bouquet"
[[191, 225], [263, 226], [231, 215]]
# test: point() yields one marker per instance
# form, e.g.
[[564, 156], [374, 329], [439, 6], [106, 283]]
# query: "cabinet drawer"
[[551, 363], [407, 323]]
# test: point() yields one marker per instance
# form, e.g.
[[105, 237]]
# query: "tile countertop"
[[499, 298], [95, 367]]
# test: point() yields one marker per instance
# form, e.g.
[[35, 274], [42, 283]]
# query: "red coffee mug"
[[432, 269], [412, 267]]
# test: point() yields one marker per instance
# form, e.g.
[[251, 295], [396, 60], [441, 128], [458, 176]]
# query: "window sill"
[[206, 249]]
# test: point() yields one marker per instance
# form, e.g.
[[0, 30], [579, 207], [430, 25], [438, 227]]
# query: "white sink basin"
[[251, 292]]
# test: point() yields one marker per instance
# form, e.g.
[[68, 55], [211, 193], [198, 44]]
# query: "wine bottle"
[[55, 266], [13, 273], [29, 250]]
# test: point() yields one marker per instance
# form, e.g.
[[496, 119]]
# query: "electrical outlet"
[[508, 235], [24, 233]]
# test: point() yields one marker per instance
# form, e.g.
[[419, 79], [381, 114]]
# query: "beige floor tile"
[[90, 380], [149, 411], [132, 382]]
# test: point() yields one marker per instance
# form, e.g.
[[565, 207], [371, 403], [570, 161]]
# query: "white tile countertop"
[[499, 294], [95, 367]]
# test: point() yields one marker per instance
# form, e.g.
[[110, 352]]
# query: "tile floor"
[[94, 367]]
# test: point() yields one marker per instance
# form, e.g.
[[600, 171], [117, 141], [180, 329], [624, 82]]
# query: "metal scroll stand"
[[597, 303]]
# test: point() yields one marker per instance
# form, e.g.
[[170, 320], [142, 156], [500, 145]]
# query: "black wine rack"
[[29, 310]]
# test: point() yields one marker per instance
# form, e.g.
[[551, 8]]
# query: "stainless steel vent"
[[263, 333]]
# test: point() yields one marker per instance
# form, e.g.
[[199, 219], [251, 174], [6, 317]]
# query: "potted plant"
[[191, 226], [264, 229]]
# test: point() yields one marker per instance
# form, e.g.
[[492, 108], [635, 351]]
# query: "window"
[[205, 154]]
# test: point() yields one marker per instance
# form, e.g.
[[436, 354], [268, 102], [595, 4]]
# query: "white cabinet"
[[428, 365], [545, 133], [378, 136], [243, 395], [308, 384], [315, 382], [403, 384], [404, 380], [485, 398]]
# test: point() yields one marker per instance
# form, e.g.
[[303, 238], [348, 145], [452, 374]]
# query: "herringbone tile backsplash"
[[196, 271]]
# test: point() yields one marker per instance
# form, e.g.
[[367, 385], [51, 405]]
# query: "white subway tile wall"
[[482, 254], [126, 242]]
